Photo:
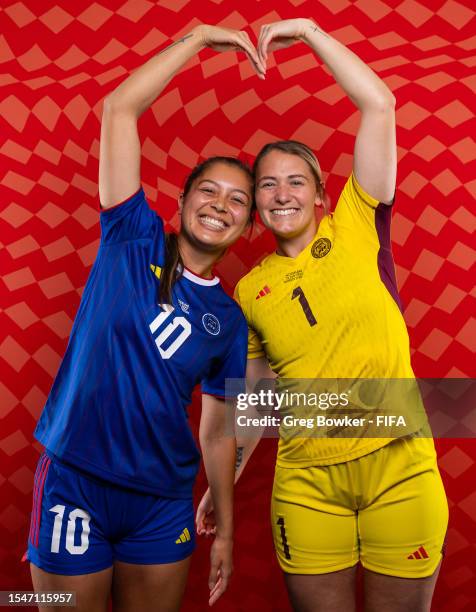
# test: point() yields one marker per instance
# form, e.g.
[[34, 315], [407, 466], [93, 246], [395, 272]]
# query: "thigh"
[[321, 593], [67, 527], [394, 594], [155, 588], [314, 529], [402, 530], [91, 590]]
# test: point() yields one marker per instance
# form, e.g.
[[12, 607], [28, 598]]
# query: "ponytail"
[[172, 270]]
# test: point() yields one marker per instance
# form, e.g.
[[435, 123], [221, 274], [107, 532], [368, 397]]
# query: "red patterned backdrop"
[[60, 58]]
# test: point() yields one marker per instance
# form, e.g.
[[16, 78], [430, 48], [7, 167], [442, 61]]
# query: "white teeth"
[[283, 212], [213, 222]]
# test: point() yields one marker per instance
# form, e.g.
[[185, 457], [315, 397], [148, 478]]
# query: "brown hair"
[[293, 147], [173, 266]]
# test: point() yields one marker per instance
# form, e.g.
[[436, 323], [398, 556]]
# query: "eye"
[[206, 189], [238, 200], [266, 184], [297, 183]]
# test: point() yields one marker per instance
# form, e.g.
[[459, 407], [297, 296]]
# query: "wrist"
[[224, 536], [309, 27], [199, 32], [225, 531]]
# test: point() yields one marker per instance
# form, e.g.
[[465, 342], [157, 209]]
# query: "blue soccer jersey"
[[118, 405]]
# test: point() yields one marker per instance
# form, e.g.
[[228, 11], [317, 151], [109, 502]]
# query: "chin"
[[286, 231], [210, 243]]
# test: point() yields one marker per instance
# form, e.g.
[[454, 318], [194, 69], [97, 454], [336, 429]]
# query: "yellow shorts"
[[387, 510]]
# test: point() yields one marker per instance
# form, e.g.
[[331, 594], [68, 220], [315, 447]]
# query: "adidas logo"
[[264, 291], [184, 537], [419, 554], [157, 270]]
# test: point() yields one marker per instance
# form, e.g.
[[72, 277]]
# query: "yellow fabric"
[[387, 510], [359, 330]]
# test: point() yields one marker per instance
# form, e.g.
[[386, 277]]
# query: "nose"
[[219, 204], [281, 194]]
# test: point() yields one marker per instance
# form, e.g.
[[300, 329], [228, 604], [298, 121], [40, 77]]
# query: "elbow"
[[115, 105], [109, 104], [386, 102]]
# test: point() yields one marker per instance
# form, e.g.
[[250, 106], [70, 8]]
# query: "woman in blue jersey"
[[325, 307], [112, 509]]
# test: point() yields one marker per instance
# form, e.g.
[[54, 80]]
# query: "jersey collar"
[[200, 280]]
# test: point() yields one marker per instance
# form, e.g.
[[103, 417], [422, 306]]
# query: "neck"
[[292, 246], [196, 260]]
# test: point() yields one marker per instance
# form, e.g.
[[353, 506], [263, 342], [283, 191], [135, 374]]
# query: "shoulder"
[[226, 316], [253, 278], [355, 194], [228, 306]]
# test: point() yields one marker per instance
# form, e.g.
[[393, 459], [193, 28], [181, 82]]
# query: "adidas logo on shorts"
[[184, 537], [419, 554]]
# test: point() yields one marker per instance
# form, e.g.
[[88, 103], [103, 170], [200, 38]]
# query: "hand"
[[279, 35], [205, 517], [221, 567], [225, 39]]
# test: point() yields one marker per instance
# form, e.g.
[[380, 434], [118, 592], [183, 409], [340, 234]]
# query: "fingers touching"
[[252, 53]]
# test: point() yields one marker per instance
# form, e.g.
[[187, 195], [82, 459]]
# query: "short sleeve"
[[356, 210], [255, 348], [232, 366], [129, 220]]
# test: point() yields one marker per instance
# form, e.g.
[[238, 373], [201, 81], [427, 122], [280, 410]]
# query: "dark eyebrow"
[[217, 185]]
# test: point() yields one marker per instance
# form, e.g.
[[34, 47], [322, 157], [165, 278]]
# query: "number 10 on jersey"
[[175, 323]]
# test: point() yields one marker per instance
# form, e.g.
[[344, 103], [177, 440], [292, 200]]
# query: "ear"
[[180, 203], [318, 203]]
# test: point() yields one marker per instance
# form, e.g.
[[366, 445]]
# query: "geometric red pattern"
[[59, 59]]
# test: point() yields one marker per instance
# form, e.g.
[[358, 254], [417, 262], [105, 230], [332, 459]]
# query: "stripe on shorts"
[[40, 477]]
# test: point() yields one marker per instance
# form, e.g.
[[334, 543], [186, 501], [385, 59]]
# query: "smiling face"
[[286, 196], [216, 210]]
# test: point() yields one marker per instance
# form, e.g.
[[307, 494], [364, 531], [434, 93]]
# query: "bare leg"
[[92, 590], [333, 592], [155, 588], [398, 594]]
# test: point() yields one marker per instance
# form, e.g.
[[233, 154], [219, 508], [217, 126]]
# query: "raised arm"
[[120, 151], [375, 155]]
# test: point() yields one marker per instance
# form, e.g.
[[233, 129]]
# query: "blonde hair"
[[294, 147]]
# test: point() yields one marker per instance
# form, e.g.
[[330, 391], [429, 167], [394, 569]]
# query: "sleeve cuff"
[[131, 197], [363, 195]]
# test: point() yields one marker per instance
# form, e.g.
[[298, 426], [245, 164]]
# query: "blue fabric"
[[98, 523], [117, 408]]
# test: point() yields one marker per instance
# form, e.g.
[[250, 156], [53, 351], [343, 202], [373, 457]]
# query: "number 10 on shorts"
[[71, 547]]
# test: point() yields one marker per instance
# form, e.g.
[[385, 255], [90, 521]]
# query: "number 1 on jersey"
[[299, 293]]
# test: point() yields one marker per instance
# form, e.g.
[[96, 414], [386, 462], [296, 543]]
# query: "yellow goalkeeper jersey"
[[331, 312]]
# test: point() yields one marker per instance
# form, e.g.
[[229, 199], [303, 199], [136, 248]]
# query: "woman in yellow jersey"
[[326, 306]]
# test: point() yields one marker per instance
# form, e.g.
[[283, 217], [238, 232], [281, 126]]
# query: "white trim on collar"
[[205, 282]]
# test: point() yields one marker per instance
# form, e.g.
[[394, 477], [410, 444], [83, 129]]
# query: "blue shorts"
[[81, 524]]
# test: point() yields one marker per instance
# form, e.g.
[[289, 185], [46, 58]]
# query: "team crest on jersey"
[[211, 324], [321, 247]]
